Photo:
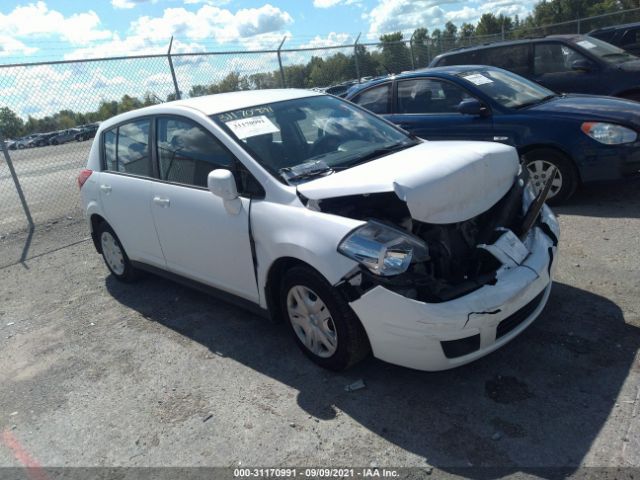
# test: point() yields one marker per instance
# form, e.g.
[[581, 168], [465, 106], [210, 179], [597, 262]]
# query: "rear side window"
[[375, 99], [126, 149], [187, 152]]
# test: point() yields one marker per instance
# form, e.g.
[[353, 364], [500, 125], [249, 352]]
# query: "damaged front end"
[[431, 262]]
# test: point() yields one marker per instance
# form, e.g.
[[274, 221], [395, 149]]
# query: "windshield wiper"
[[536, 102], [305, 170]]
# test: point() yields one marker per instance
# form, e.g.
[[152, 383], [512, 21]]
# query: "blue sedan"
[[588, 138]]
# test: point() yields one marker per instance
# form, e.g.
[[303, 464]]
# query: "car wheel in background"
[[20, 147], [540, 162], [54, 142], [114, 255], [323, 324]]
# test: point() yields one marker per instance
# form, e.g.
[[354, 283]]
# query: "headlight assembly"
[[609, 133], [384, 250]]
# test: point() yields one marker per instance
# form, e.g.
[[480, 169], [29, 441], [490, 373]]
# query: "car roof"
[[508, 43], [218, 103], [615, 27], [443, 71], [224, 102]]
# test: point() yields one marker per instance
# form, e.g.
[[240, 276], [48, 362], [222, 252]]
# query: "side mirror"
[[581, 65], [472, 106], [222, 184]]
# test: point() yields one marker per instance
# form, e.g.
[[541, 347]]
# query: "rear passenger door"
[[200, 239], [125, 189], [428, 108]]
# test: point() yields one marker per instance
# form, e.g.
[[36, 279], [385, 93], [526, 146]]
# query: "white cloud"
[[36, 20], [333, 3], [10, 47], [406, 15]]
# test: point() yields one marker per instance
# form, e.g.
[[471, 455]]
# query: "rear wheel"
[[323, 324], [54, 142], [114, 255], [540, 163]]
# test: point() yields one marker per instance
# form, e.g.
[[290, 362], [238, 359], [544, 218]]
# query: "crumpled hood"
[[442, 182]]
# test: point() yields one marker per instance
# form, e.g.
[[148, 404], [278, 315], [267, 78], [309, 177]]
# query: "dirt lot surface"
[[96, 373]]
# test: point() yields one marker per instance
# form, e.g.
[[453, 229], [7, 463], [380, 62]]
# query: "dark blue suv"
[[563, 63], [588, 138]]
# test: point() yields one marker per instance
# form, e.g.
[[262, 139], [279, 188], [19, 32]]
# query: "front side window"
[[187, 152], [425, 96], [506, 88], [126, 149], [298, 139], [554, 58], [375, 99]]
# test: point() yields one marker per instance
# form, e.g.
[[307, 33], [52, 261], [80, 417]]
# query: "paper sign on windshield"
[[252, 126], [586, 44], [478, 79]]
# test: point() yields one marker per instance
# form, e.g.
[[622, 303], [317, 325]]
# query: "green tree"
[[421, 47], [11, 125], [395, 53]]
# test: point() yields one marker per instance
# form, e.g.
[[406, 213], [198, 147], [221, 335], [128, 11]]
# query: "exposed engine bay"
[[456, 265]]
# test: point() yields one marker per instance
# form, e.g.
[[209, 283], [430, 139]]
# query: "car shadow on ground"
[[539, 401], [620, 199]]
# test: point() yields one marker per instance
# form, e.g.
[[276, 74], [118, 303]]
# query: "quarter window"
[[187, 152], [429, 96], [126, 149], [375, 99]]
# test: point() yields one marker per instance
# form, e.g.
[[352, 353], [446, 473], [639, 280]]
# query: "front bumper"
[[439, 336], [608, 162]]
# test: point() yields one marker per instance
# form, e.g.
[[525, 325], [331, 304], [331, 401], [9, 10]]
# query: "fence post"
[[16, 182], [355, 57], [282, 80], [173, 72], [578, 25], [413, 58]]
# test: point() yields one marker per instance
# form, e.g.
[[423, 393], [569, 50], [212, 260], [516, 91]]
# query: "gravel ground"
[[96, 373]]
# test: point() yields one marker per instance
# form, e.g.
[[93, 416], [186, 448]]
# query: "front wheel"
[[323, 324], [540, 163], [114, 255]]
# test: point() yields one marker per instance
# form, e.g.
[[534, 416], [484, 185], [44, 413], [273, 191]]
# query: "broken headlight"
[[384, 250]]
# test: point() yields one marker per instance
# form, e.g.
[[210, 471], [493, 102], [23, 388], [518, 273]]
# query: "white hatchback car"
[[309, 208]]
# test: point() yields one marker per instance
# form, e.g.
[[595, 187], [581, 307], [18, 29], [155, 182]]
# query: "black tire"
[[21, 147], [567, 171], [54, 142], [128, 273], [352, 342]]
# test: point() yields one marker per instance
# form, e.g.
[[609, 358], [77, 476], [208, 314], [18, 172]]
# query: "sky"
[[37, 31], [70, 29]]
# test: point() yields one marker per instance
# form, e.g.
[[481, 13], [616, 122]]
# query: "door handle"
[[163, 202], [105, 188]]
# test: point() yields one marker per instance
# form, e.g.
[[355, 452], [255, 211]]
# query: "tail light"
[[84, 176]]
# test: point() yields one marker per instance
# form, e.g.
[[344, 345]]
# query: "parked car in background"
[[24, 142], [41, 139], [10, 144], [562, 63], [310, 209], [85, 132], [587, 138], [64, 136], [626, 36]]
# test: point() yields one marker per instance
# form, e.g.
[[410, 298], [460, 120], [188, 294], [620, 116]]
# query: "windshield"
[[506, 88], [299, 139], [607, 52]]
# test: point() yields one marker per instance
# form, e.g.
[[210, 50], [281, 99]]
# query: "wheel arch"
[[96, 220], [631, 92], [273, 279], [558, 149]]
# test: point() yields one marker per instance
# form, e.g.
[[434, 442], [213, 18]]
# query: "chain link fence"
[[49, 111]]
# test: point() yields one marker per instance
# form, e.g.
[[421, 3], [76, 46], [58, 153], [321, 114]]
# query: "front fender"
[[296, 232]]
